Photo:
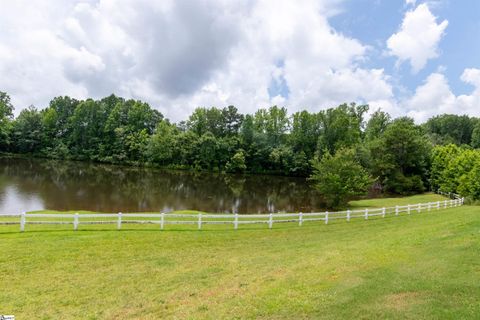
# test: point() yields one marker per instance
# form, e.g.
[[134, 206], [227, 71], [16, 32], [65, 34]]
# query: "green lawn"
[[420, 266], [401, 201]]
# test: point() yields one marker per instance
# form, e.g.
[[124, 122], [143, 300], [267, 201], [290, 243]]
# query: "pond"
[[36, 184]]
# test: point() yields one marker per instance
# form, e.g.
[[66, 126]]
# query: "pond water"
[[36, 184]]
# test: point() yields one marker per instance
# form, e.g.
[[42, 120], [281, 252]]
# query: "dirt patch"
[[403, 300]]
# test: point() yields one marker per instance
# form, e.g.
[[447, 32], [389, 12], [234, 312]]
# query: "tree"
[[232, 121], [476, 136], [6, 115], [341, 127], [340, 177], [273, 123], [27, 131], [450, 128], [376, 125], [205, 120], [305, 133], [206, 152], [400, 157], [237, 162], [87, 123], [442, 157], [161, 147]]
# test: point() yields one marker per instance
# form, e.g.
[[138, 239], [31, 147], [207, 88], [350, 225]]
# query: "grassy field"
[[408, 267], [400, 201]]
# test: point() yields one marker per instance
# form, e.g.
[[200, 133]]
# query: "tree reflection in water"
[[29, 184]]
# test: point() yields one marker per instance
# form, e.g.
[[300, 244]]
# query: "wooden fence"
[[202, 219]]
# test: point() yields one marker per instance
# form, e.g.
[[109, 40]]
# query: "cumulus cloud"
[[178, 55], [418, 38], [434, 96]]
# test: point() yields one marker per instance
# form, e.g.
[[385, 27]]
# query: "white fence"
[[202, 219]]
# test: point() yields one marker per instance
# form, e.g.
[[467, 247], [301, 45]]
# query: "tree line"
[[341, 152]]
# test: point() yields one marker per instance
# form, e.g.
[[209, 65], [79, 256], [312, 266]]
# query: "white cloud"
[[410, 2], [418, 38], [436, 97], [178, 55]]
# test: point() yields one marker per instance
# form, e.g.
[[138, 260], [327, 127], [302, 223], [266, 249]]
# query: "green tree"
[[27, 131], [476, 136], [400, 157], [341, 127], [161, 146], [6, 116], [86, 123], [340, 177], [305, 133], [442, 157], [237, 162], [376, 125], [450, 128]]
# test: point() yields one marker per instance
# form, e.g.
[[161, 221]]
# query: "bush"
[[340, 177]]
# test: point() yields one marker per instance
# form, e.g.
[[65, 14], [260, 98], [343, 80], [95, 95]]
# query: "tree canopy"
[[401, 156]]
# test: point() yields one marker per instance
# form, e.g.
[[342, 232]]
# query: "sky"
[[407, 57]]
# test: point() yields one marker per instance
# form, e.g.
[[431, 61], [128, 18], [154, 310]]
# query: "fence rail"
[[202, 219]]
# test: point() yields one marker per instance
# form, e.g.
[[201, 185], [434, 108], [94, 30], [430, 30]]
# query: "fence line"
[[236, 219]]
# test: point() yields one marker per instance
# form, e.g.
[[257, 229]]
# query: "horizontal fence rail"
[[201, 219]]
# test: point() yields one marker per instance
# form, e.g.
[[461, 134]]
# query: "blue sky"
[[374, 21], [416, 58]]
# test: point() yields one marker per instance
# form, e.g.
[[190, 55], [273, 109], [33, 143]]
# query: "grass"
[[401, 201], [357, 204], [408, 267]]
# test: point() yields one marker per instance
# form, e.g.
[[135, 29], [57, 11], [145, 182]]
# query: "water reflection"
[[61, 185]]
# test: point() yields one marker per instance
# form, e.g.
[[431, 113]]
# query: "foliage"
[[449, 128], [397, 153], [457, 169], [400, 157], [6, 115], [27, 131], [339, 177], [237, 162]]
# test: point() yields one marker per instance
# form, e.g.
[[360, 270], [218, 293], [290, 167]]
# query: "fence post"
[[300, 219], [119, 221], [348, 215], [270, 221], [326, 217], [419, 207], [445, 204], [438, 205], [383, 212], [366, 214], [199, 221], [162, 220], [235, 223], [429, 206], [408, 208], [396, 210], [75, 221], [23, 221]]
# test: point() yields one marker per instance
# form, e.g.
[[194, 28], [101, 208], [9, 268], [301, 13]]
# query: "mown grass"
[[357, 204], [424, 265], [400, 201]]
